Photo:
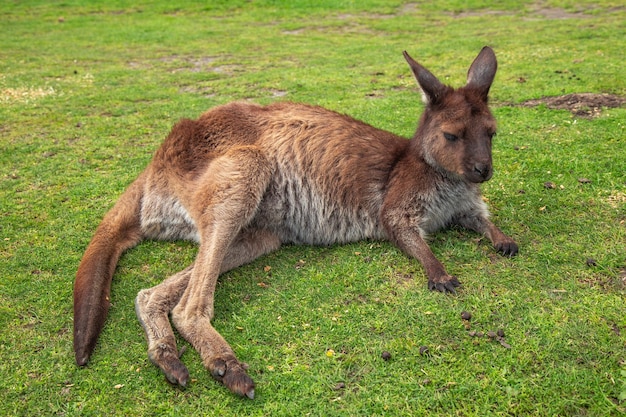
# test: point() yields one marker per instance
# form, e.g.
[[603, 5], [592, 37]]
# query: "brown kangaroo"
[[243, 179]]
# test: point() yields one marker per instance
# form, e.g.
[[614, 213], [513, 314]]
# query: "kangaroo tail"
[[119, 230]]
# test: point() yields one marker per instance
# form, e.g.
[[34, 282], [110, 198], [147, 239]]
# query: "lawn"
[[89, 89]]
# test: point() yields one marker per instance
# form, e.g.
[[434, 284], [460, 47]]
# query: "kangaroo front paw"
[[507, 247], [445, 284], [232, 374]]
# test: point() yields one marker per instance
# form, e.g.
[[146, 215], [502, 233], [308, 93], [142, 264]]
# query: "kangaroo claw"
[[232, 374], [444, 286], [166, 358], [508, 248]]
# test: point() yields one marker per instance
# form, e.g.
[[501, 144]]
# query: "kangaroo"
[[243, 179]]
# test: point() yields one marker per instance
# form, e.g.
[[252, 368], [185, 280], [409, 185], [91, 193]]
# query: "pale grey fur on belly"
[[165, 218]]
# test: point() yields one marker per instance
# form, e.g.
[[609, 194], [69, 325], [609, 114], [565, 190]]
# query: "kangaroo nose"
[[484, 170]]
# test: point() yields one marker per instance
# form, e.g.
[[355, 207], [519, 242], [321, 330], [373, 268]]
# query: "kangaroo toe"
[[166, 357], [232, 374], [447, 284], [507, 248]]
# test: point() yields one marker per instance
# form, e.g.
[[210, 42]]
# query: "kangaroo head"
[[455, 131]]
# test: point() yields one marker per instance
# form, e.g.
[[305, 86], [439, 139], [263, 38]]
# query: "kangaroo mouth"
[[478, 175]]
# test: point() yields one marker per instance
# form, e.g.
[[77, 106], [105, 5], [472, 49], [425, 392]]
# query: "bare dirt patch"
[[178, 63], [559, 14], [536, 13], [479, 13], [579, 104]]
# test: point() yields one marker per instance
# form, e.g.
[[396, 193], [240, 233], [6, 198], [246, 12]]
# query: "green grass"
[[88, 90]]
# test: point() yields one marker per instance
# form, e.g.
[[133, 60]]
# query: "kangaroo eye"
[[450, 137]]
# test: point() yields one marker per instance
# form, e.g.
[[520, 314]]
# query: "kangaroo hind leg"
[[224, 204], [153, 305]]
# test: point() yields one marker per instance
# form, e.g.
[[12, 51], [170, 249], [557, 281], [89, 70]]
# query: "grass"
[[89, 89]]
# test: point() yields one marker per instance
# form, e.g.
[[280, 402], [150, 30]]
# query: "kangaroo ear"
[[432, 88], [482, 71]]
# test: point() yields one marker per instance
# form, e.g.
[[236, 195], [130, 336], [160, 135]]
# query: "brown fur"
[[243, 179]]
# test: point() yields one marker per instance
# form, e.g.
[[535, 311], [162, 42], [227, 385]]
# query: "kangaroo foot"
[[166, 357], [161, 342], [230, 372]]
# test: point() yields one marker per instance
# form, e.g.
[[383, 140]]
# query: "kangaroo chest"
[[444, 204]]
